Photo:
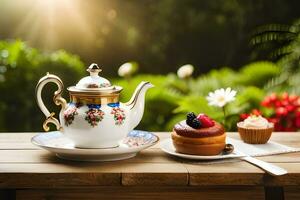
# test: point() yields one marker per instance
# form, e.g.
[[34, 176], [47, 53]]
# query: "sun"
[[47, 18], [46, 4]]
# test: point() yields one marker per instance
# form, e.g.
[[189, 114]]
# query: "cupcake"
[[198, 135], [255, 130]]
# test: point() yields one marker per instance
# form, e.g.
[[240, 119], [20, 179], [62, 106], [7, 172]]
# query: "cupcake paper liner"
[[255, 136]]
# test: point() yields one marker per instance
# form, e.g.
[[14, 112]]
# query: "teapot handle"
[[57, 98]]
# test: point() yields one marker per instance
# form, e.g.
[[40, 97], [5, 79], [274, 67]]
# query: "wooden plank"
[[292, 178], [238, 173], [21, 136], [43, 156], [18, 146], [58, 175], [154, 174], [149, 155], [57, 180], [158, 193], [231, 172], [150, 167], [77, 173], [282, 158], [292, 193], [17, 141], [151, 179], [22, 140], [242, 174], [99, 167]]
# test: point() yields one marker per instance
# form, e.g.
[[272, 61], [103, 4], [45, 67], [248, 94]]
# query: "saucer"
[[57, 143], [168, 147]]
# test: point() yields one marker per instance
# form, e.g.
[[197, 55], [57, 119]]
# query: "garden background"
[[250, 46]]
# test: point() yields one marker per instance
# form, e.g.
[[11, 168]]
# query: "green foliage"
[[258, 73], [283, 41], [172, 97], [166, 104], [286, 36], [160, 101], [197, 104], [20, 69], [249, 98], [214, 80]]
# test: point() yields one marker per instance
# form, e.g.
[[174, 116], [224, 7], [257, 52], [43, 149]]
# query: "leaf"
[[198, 104], [258, 73]]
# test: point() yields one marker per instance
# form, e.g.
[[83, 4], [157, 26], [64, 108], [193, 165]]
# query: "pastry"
[[255, 130], [199, 135]]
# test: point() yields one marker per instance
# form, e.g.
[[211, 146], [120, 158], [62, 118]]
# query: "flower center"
[[221, 98]]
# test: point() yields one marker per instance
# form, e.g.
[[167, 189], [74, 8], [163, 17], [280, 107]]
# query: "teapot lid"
[[94, 82]]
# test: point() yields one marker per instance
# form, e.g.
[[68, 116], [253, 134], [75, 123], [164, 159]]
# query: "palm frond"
[[271, 37], [276, 28], [286, 41], [282, 51]]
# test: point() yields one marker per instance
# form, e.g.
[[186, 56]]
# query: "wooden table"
[[27, 172]]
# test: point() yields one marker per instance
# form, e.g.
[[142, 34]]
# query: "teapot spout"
[[137, 103]]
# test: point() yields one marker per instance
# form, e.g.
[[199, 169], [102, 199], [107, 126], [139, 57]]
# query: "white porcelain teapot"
[[94, 117]]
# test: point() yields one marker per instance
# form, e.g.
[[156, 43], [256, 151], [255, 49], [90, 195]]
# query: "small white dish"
[[167, 146], [57, 143]]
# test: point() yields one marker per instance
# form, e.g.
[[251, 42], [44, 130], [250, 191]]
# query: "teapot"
[[94, 117]]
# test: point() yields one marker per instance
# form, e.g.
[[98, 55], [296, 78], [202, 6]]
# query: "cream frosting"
[[254, 121]]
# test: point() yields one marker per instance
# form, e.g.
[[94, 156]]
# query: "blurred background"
[[250, 46]]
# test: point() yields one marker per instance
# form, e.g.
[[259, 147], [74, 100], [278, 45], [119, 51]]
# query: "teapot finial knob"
[[94, 69]]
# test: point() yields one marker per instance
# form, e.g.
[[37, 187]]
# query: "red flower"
[[278, 103], [286, 109], [293, 98], [273, 97], [297, 102], [285, 102], [244, 116], [281, 111], [266, 102], [290, 108]]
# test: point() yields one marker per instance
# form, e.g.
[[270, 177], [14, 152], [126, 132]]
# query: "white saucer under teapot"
[[94, 117]]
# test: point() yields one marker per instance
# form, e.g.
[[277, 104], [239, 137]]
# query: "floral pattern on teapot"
[[102, 85], [94, 115], [119, 115], [69, 114]]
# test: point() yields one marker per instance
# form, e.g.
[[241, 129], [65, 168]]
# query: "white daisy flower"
[[221, 97], [185, 71]]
